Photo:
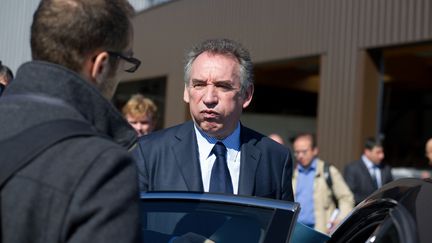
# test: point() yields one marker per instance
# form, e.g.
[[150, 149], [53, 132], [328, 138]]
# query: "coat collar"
[[55, 81]]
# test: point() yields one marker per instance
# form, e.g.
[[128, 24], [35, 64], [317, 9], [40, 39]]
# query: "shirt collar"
[[312, 166], [369, 164], [57, 82], [206, 142]]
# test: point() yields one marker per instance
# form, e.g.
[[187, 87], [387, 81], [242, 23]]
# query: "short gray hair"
[[224, 47]]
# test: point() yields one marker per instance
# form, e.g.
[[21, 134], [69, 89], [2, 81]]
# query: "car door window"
[[221, 221]]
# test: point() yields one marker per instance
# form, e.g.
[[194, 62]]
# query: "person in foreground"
[[81, 189], [368, 174], [214, 152]]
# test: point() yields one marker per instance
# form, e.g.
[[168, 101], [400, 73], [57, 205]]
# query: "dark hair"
[[225, 47], [310, 136], [66, 31], [4, 70], [372, 142]]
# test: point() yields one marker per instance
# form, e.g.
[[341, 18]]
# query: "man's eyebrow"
[[217, 82], [223, 81]]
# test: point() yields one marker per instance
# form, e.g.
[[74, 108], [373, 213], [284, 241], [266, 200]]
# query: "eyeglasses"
[[131, 64]]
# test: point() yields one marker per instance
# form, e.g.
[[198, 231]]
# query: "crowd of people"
[[83, 188]]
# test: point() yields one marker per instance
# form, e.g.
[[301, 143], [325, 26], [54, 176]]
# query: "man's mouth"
[[209, 114]]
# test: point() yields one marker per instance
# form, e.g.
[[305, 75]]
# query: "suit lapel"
[[250, 157], [186, 155]]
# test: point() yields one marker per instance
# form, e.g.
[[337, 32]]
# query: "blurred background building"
[[344, 69]]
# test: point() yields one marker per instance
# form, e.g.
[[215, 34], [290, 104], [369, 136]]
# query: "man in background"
[[366, 175], [323, 206], [428, 152], [141, 113], [6, 77], [277, 138], [81, 189]]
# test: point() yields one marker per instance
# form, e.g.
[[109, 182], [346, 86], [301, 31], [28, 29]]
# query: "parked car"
[[408, 172], [398, 212]]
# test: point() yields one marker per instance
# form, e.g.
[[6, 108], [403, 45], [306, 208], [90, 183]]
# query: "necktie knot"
[[219, 149]]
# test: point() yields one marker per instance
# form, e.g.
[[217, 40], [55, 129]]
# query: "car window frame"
[[282, 210]]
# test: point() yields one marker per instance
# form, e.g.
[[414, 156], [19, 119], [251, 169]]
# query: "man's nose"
[[210, 96]]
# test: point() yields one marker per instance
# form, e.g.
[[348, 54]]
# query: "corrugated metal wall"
[[338, 30], [356, 26], [15, 21]]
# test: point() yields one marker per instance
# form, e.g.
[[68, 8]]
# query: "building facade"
[[329, 63]]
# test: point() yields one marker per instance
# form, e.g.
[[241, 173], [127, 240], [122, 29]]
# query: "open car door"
[[171, 216]]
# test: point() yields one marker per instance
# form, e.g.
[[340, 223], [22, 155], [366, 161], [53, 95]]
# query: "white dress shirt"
[[373, 169], [207, 158]]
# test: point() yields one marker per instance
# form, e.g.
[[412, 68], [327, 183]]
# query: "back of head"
[[277, 138], [224, 47], [65, 32]]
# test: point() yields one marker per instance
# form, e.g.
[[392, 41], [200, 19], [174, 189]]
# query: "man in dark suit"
[[366, 175], [218, 86]]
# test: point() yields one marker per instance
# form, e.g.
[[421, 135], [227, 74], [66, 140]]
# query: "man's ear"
[[315, 151], [186, 95], [248, 96], [100, 67]]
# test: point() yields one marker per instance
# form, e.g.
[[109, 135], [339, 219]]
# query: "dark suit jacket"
[[168, 160], [360, 181]]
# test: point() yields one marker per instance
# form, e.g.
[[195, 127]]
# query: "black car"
[[398, 212]]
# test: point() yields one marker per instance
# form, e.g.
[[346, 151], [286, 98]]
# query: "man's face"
[[213, 94], [303, 151], [143, 124], [4, 80], [376, 154], [110, 76]]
